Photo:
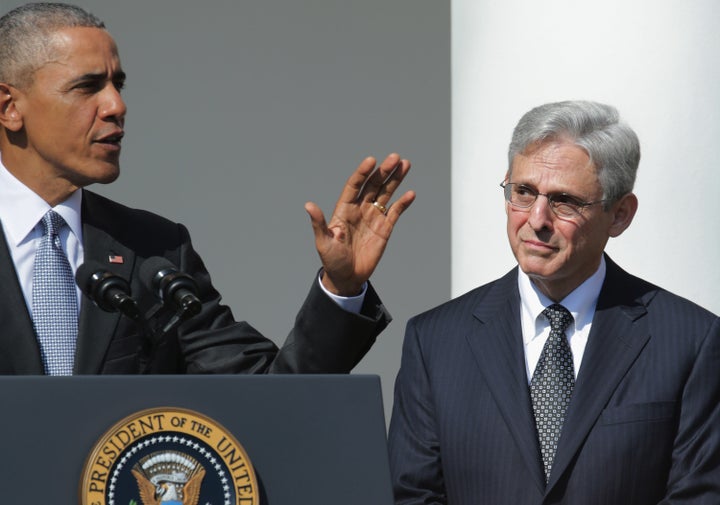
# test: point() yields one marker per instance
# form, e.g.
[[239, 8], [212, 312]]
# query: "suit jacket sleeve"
[[324, 339], [415, 459], [695, 472]]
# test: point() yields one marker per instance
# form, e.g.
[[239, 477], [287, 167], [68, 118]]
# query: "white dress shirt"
[[536, 328], [21, 211]]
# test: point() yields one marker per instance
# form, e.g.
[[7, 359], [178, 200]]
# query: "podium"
[[311, 439]]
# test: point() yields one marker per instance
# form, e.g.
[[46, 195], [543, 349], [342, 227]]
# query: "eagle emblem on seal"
[[168, 478]]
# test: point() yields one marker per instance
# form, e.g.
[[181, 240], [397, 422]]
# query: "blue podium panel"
[[312, 439]]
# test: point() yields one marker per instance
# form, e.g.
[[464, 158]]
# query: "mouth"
[[536, 245], [111, 140]]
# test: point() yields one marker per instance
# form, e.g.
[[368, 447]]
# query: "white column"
[[656, 61]]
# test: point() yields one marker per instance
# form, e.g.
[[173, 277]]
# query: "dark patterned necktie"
[[54, 300], [552, 384]]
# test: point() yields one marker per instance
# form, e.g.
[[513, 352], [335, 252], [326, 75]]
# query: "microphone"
[[107, 290], [174, 288]]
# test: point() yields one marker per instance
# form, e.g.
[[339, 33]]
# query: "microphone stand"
[[154, 330]]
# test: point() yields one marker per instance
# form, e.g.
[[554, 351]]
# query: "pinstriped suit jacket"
[[643, 426]]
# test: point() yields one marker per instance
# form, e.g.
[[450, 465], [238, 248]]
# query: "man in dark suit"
[[61, 126], [567, 381]]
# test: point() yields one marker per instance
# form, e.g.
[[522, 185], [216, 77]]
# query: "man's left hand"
[[351, 244]]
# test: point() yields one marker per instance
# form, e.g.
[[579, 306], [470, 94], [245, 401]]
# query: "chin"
[[105, 174], [105, 177], [537, 268], [112, 177]]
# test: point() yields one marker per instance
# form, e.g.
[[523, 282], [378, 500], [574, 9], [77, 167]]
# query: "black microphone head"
[[107, 290], [84, 276], [152, 271], [172, 287]]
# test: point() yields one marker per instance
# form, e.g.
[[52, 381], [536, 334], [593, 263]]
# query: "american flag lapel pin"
[[116, 258]]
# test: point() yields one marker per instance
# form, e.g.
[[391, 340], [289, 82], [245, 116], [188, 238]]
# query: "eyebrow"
[[116, 76], [551, 193]]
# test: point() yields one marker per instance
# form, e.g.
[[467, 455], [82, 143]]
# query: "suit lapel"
[[619, 333], [96, 327], [19, 350], [498, 348]]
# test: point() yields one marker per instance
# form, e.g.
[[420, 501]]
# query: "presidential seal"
[[168, 456]]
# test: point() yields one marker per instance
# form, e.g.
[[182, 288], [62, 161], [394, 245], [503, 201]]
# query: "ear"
[[10, 116], [623, 212]]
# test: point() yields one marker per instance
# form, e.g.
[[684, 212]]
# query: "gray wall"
[[240, 111]]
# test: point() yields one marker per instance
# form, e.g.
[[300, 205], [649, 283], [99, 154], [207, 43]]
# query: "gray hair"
[[612, 145], [26, 37]]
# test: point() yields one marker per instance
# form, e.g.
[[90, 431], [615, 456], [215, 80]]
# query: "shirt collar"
[[580, 302], [21, 209]]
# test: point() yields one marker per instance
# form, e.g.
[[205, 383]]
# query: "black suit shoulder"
[[477, 302], [145, 232], [624, 289]]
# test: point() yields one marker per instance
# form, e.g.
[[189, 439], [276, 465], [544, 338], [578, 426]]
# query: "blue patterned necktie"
[[54, 300], [552, 384]]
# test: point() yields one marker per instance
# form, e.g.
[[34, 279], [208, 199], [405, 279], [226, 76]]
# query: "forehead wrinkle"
[[62, 53], [554, 153], [54, 53], [552, 157]]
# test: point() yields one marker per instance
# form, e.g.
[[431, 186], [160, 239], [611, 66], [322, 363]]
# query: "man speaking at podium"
[[61, 128]]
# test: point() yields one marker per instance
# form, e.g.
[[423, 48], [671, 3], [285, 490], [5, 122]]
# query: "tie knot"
[[52, 222], [558, 316]]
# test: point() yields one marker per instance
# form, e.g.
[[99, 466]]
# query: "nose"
[[112, 105], [541, 214]]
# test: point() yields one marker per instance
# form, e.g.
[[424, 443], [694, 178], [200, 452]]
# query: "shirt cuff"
[[349, 303]]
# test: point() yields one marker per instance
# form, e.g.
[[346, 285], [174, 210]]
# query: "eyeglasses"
[[563, 205]]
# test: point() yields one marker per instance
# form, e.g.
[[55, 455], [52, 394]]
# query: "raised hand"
[[351, 244]]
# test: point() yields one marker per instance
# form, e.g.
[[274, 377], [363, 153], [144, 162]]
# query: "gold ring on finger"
[[380, 207]]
